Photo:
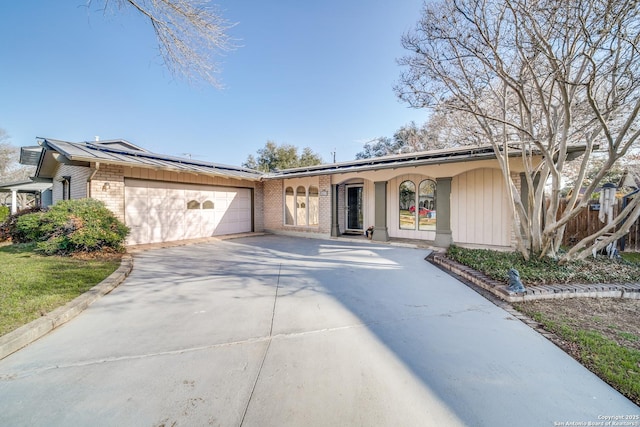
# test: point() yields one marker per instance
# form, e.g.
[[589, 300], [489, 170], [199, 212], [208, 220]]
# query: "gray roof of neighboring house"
[[124, 153], [25, 186]]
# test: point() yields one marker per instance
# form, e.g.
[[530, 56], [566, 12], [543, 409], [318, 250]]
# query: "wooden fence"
[[586, 223]]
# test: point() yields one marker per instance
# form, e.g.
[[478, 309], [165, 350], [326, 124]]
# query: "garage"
[[159, 211]]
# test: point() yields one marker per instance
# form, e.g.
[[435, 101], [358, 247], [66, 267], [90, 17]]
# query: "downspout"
[[94, 171]]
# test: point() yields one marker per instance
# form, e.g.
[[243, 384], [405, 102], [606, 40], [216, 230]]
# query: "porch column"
[[443, 212], [380, 230], [335, 228], [14, 201]]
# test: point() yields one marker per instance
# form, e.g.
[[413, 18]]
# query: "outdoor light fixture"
[[324, 192], [106, 186]]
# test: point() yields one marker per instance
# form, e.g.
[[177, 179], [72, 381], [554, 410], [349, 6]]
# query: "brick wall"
[[107, 185], [325, 204], [258, 208], [273, 204]]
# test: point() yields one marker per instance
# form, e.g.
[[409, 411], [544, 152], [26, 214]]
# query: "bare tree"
[[410, 138], [10, 168], [189, 32], [539, 77], [12, 171], [452, 128]]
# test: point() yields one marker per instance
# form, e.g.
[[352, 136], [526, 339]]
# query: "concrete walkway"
[[296, 332]]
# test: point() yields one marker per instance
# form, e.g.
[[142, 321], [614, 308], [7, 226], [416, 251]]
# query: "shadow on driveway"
[[276, 330]]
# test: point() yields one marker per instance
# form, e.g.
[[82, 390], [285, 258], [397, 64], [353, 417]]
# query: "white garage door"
[[162, 212]]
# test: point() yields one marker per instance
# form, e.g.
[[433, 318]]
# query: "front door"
[[354, 208]]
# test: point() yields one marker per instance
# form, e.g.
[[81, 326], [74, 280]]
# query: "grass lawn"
[[32, 285], [601, 333], [597, 333]]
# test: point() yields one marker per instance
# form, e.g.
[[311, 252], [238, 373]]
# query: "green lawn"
[[617, 364], [32, 285]]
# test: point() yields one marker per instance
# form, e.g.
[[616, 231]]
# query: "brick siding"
[[107, 185]]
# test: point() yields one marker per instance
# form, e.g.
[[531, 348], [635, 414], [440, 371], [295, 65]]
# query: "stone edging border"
[[26, 334], [499, 289]]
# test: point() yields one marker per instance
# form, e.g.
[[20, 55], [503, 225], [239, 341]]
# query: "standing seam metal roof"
[[94, 152]]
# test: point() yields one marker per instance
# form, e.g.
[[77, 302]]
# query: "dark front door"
[[354, 208]]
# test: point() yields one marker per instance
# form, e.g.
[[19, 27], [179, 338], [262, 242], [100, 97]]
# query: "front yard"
[[601, 333], [32, 285]]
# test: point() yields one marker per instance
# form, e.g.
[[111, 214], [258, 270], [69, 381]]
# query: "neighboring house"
[[630, 178], [443, 197], [25, 194]]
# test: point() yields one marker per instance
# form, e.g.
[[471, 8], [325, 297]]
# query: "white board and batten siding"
[[158, 211], [479, 208]]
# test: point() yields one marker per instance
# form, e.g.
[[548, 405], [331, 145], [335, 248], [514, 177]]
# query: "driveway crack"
[[266, 350]]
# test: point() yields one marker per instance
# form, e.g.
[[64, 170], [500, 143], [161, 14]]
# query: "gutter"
[[94, 171]]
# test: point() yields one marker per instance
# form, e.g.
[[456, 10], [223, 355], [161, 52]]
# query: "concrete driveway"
[[278, 331]]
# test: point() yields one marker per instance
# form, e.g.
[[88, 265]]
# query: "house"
[[161, 198], [446, 196], [24, 194]]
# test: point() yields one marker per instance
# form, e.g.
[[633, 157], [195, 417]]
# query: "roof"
[[30, 156], [119, 152], [630, 177], [25, 186], [447, 155]]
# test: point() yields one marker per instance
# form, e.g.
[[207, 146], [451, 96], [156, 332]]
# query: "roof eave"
[[341, 169], [82, 160]]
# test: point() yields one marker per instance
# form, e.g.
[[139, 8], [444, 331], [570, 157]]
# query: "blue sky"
[[312, 74]]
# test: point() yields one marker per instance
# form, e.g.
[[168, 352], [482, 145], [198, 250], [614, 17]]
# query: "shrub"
[[546, 270], [4, 213], [83, 225], [8, 228]]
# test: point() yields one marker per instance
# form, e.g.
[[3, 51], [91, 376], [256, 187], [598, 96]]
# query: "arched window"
[[208, 204], [314, 205], [193, 204], [301, 205], [289, 206], [407, 208], [427, 205]]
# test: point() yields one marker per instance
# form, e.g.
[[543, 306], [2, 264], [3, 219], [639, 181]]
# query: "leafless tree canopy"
[[537, 76], [190, 34], [11, 170]]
